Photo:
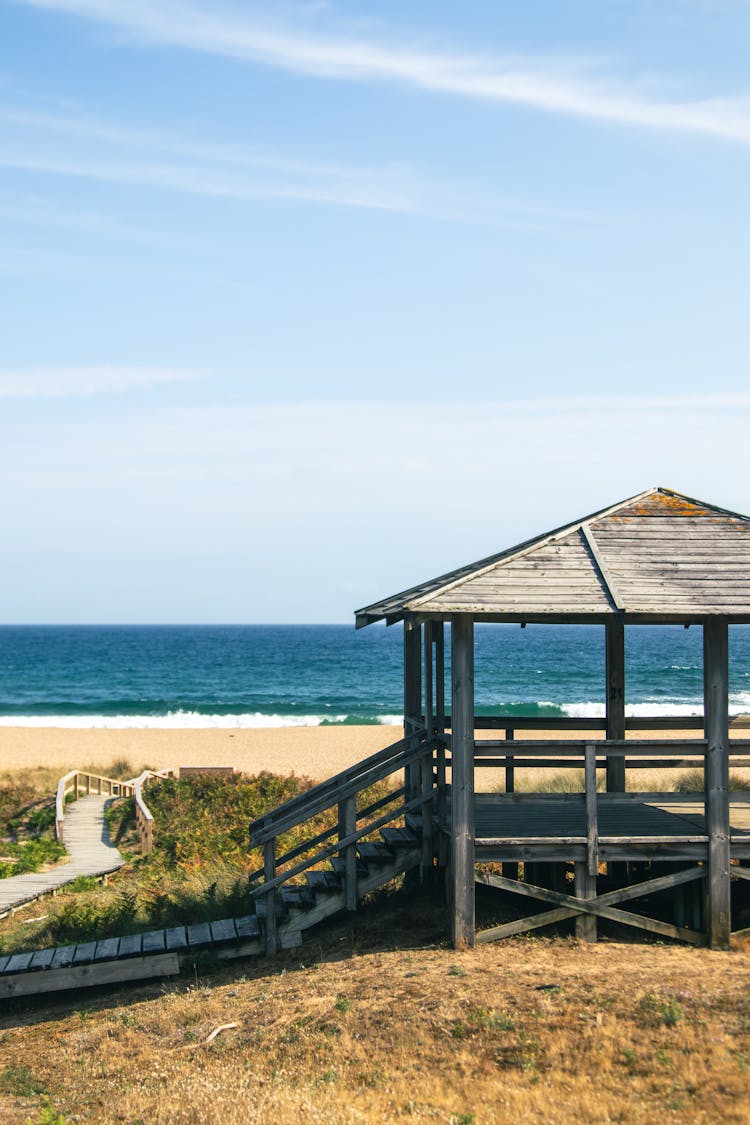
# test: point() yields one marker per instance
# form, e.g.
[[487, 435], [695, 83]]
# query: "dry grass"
[[527, 1031]]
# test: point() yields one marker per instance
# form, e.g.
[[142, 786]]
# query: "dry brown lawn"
[[351, 1029]]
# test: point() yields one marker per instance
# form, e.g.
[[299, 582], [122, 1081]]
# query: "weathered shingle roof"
[[658, 554]]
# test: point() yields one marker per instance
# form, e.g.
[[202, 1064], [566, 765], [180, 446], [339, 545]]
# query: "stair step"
[[339, 866], [262, 905], [323, 882], [399, 837], [297, 898], [375, 853], [248, 927]]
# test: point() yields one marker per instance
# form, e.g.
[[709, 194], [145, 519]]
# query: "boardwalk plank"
[[176, 938], [199, 934], [42, 959], [153, 941], [107, 949], [84, 953], [63, 957], [88, 847], [19, 962], [223, 930], [130, 945]]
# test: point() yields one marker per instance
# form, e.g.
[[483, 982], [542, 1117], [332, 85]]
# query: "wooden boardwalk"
[[88, 845]]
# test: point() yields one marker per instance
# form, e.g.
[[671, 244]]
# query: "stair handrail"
[[308, 845], [341, 791], [318, 799], [343, 842]]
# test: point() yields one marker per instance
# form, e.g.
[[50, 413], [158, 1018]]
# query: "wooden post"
[[269, 873], [438, 631], [426, 778], [439, 635], [510, 771], [592, 819], [412, 673], [615, 701], [462, 780], [412, 693], [716, 710], [348, 825], [429, 710], [585, 888], [510, 870]]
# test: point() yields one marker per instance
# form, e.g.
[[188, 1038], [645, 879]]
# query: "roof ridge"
[[526, 548]]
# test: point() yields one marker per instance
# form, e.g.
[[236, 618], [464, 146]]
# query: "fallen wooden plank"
[[89, 976]]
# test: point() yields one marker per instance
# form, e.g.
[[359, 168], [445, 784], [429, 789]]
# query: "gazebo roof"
[[656, 556]]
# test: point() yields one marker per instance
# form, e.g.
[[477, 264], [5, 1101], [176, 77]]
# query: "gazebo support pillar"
[[462, 780], [615, 701], [412, 692], [716, 710]]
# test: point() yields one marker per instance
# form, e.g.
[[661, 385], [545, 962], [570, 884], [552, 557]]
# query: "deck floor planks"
[[495, 819]]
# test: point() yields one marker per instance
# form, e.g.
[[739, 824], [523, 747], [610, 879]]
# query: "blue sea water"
[[260, 675]]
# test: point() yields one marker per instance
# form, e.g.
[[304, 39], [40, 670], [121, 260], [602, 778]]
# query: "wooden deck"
[[553, 827], [88, 845]]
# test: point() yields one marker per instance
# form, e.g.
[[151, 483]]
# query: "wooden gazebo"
[[657, 558]]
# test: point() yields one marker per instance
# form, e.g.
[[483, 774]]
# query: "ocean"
[[289, 675]]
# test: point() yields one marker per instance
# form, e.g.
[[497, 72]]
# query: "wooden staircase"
[[325, 872]]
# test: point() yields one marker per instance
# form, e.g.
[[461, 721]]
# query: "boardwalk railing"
[[79, 783], [144, 818], [353, 824]]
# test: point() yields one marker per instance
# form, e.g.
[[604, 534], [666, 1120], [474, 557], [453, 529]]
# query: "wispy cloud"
[[544, 84], [80, 382], [74, 146]]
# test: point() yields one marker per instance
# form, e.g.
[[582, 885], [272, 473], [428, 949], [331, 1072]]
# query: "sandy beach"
[[314, 752]]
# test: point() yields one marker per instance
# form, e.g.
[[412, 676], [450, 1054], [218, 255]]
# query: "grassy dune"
[[374, 1019], [356, 1030]]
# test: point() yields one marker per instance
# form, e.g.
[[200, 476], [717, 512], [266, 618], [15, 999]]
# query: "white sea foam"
[[173, 720], [739, 704]]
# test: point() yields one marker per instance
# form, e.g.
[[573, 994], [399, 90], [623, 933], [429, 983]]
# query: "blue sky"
[[302, 303]]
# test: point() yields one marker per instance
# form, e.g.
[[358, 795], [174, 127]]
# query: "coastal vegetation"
[[27, 828], [198, 870], [375, 1018]]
